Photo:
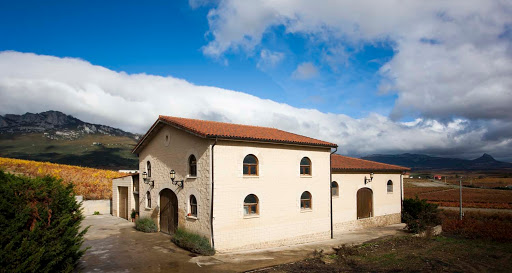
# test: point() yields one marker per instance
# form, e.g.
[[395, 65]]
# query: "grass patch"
[[192, 242], [146, 225]]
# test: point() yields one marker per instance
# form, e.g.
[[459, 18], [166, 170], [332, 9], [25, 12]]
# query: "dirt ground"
[[410, 254], [115, 246]]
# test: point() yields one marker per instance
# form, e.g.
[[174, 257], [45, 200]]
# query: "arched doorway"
[[168, 211], [364, 203]]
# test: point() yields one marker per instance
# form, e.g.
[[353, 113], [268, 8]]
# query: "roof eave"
[[242, 139]]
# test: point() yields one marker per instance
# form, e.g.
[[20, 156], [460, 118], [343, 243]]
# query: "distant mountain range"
[[59, 138], [425, 162], [55, 125]]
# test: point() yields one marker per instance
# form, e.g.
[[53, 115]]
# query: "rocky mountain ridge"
[[55, 125], [424, 162]]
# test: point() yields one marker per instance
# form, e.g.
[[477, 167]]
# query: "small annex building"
[[248, 187]]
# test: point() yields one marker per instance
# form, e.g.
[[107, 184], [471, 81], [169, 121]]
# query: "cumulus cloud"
[[34, 83], [269, 59], [305, 71], [452, 58]]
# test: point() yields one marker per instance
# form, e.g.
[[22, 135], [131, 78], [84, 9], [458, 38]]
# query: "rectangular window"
[[334, 191], [305, 204], [193, 210], [250, 209]]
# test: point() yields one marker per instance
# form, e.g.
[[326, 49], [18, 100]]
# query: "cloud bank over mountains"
[[132, 102], [452, 58]]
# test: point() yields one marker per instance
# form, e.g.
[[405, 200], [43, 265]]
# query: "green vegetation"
[[146, 225], [39, 225], [192, 242], [418, 215], [96, 213], [110, 152]]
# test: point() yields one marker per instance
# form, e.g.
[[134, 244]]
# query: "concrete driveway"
[[115, 246]]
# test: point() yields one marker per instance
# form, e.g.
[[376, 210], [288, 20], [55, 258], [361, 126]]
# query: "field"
[[109, 152], [448, 196], [90, 183], [479, 243], [480, 179]]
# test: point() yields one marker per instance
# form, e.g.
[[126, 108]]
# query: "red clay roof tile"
[[344, 163], [222, 130]]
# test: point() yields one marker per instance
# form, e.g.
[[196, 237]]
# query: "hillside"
[[90, 183], [425, 162], [59, 138]]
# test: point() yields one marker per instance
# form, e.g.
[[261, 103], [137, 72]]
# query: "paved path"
[[115, 246]]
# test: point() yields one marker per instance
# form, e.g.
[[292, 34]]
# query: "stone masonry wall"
[[170, 148]]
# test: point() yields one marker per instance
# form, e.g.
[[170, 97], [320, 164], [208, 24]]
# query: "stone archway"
[[168, 211]]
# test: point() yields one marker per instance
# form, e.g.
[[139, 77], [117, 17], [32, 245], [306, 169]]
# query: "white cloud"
[[305, 71], [34, 83], [269, 59], [453, 58]]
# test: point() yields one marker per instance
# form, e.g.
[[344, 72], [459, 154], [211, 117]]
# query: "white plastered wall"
[[278, 187], [126, 181], [386, 205]]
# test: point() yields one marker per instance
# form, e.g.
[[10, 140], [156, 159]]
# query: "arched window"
[[148, 200], [305, 166], [334, 188], [305, 200], [390, 186], [251, 205], [192, 165], [148, 168], [250, 165], [193, 206]]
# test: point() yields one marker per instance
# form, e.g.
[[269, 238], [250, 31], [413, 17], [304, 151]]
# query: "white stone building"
[[251, 187]]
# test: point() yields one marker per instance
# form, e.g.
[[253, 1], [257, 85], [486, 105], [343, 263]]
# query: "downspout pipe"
[[211, 205], [330, 189], [401, 192]]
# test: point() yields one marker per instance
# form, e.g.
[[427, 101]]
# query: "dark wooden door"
[[123, 202], [168, 211], [364, 203]]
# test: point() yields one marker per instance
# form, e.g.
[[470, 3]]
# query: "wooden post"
[[460, 196]]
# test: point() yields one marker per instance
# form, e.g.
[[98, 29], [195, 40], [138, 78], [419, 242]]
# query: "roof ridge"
[[222, 122], [373, 162]]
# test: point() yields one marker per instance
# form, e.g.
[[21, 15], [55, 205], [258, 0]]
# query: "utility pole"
[[460, 196]]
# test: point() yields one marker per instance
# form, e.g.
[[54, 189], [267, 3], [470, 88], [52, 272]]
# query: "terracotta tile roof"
[[345, 163], [222, 130]]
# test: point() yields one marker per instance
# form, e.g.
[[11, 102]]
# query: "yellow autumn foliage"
[[90, 183]]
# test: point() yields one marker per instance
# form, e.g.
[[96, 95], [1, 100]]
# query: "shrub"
[[418, 215], [39, 225], [146, 225], [96, 213], [192, 242]]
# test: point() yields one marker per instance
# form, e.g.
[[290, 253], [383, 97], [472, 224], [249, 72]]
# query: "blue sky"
[[373, 76], [166, 38]]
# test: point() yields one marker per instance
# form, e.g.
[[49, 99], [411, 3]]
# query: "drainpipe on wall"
[[211, 205], [330, 187], [401, 193]]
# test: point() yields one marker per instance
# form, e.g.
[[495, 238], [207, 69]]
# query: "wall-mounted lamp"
[[178, 183], [368, 180], [147, 180]]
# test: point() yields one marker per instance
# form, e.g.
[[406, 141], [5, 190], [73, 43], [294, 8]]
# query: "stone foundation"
[[377, 221], [283, 242]]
